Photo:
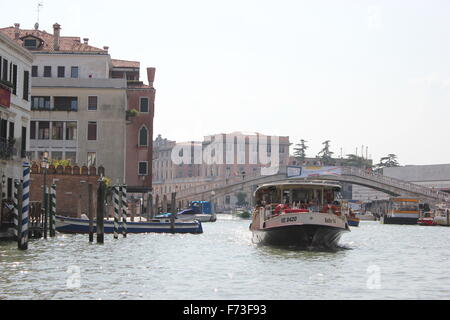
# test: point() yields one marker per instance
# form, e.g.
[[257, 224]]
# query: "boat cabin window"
[[312, 198], [405, 206]]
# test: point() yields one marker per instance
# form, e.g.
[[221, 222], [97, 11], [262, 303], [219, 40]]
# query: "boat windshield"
[[405, 206]]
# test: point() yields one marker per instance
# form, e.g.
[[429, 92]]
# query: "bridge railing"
[[408, 186]]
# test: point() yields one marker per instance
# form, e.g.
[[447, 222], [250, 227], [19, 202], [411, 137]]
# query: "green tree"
[[300, 150], [389, 161], [325, 154], [241, 196], [354, 160]]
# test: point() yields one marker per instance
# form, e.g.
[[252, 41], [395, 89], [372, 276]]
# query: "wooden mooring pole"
[[91, 213], [149, 206], [100, 211], [52, 200], [24, 193]]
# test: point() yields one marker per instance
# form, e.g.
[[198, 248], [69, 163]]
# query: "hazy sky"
[[372, 73]]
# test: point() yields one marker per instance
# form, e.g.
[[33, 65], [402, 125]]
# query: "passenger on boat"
[[330, 208], [280, 207]]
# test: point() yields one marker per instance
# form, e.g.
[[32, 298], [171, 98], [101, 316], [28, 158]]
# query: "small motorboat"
[[242, 213], [164, 225], [352, 221], [426, 221]]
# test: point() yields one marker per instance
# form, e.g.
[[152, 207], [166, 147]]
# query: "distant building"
[[15, 70], [435, 176], [79, 102], [169, 177]]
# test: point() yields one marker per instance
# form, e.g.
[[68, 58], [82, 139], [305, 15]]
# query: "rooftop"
[[66, 44]]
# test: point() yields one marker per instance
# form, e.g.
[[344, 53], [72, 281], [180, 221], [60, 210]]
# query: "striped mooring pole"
[[53, 210], [23, 235], [124, 209], [116, 211], [16, 209]]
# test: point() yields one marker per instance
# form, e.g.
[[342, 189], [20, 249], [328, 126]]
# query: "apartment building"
[[79, 102], [15, 69], [234, 165]]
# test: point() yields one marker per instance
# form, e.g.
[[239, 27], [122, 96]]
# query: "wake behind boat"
[[298, 213], [76, 225]]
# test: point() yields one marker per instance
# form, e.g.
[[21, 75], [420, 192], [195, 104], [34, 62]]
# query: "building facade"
[[79, 102], [15, 71], [234, 164]]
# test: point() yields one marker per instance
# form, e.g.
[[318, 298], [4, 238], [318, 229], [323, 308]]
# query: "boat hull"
[[398, 220], [74, 225], [353, 222], [304, 236], [441, 221], [199, 217], [304, 230]]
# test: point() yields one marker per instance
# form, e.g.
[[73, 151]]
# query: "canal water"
[[376, 262]]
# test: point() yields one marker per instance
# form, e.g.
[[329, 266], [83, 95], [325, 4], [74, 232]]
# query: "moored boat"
[[346, 209], [242, 213], [442, 215], [298, 213], [401, 210], [352, 221], [76, 225]]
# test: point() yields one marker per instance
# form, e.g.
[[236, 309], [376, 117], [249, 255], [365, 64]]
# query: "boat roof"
[[301, 184]]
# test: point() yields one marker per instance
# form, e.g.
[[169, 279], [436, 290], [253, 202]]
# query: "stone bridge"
[[391, 186]]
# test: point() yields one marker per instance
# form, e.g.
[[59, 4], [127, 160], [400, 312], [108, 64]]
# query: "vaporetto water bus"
[[298, 213], [401, 210]]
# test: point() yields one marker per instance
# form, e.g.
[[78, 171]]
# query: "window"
[[71, 130], [44, 130], [144, 105], [65, 103], [14, 79], [56, 155], [61, 72], [11, 130], [3, 128], [34, 71], [91, 159], [72, 156], [143, 136], [30, 43], [92, 103], [33, 130], [74, 72], [92, 130], [57, 130], [26, 85], [40, 103], [143, 168], [47, 71], [5, 70]]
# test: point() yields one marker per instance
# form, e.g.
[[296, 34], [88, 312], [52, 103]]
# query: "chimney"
[[106, 48], [56, 29], [151, 76], [86, 40], [16, 31]]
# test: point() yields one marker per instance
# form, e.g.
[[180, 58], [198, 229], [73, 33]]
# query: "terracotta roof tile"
[[66, 44], [125, 63]]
